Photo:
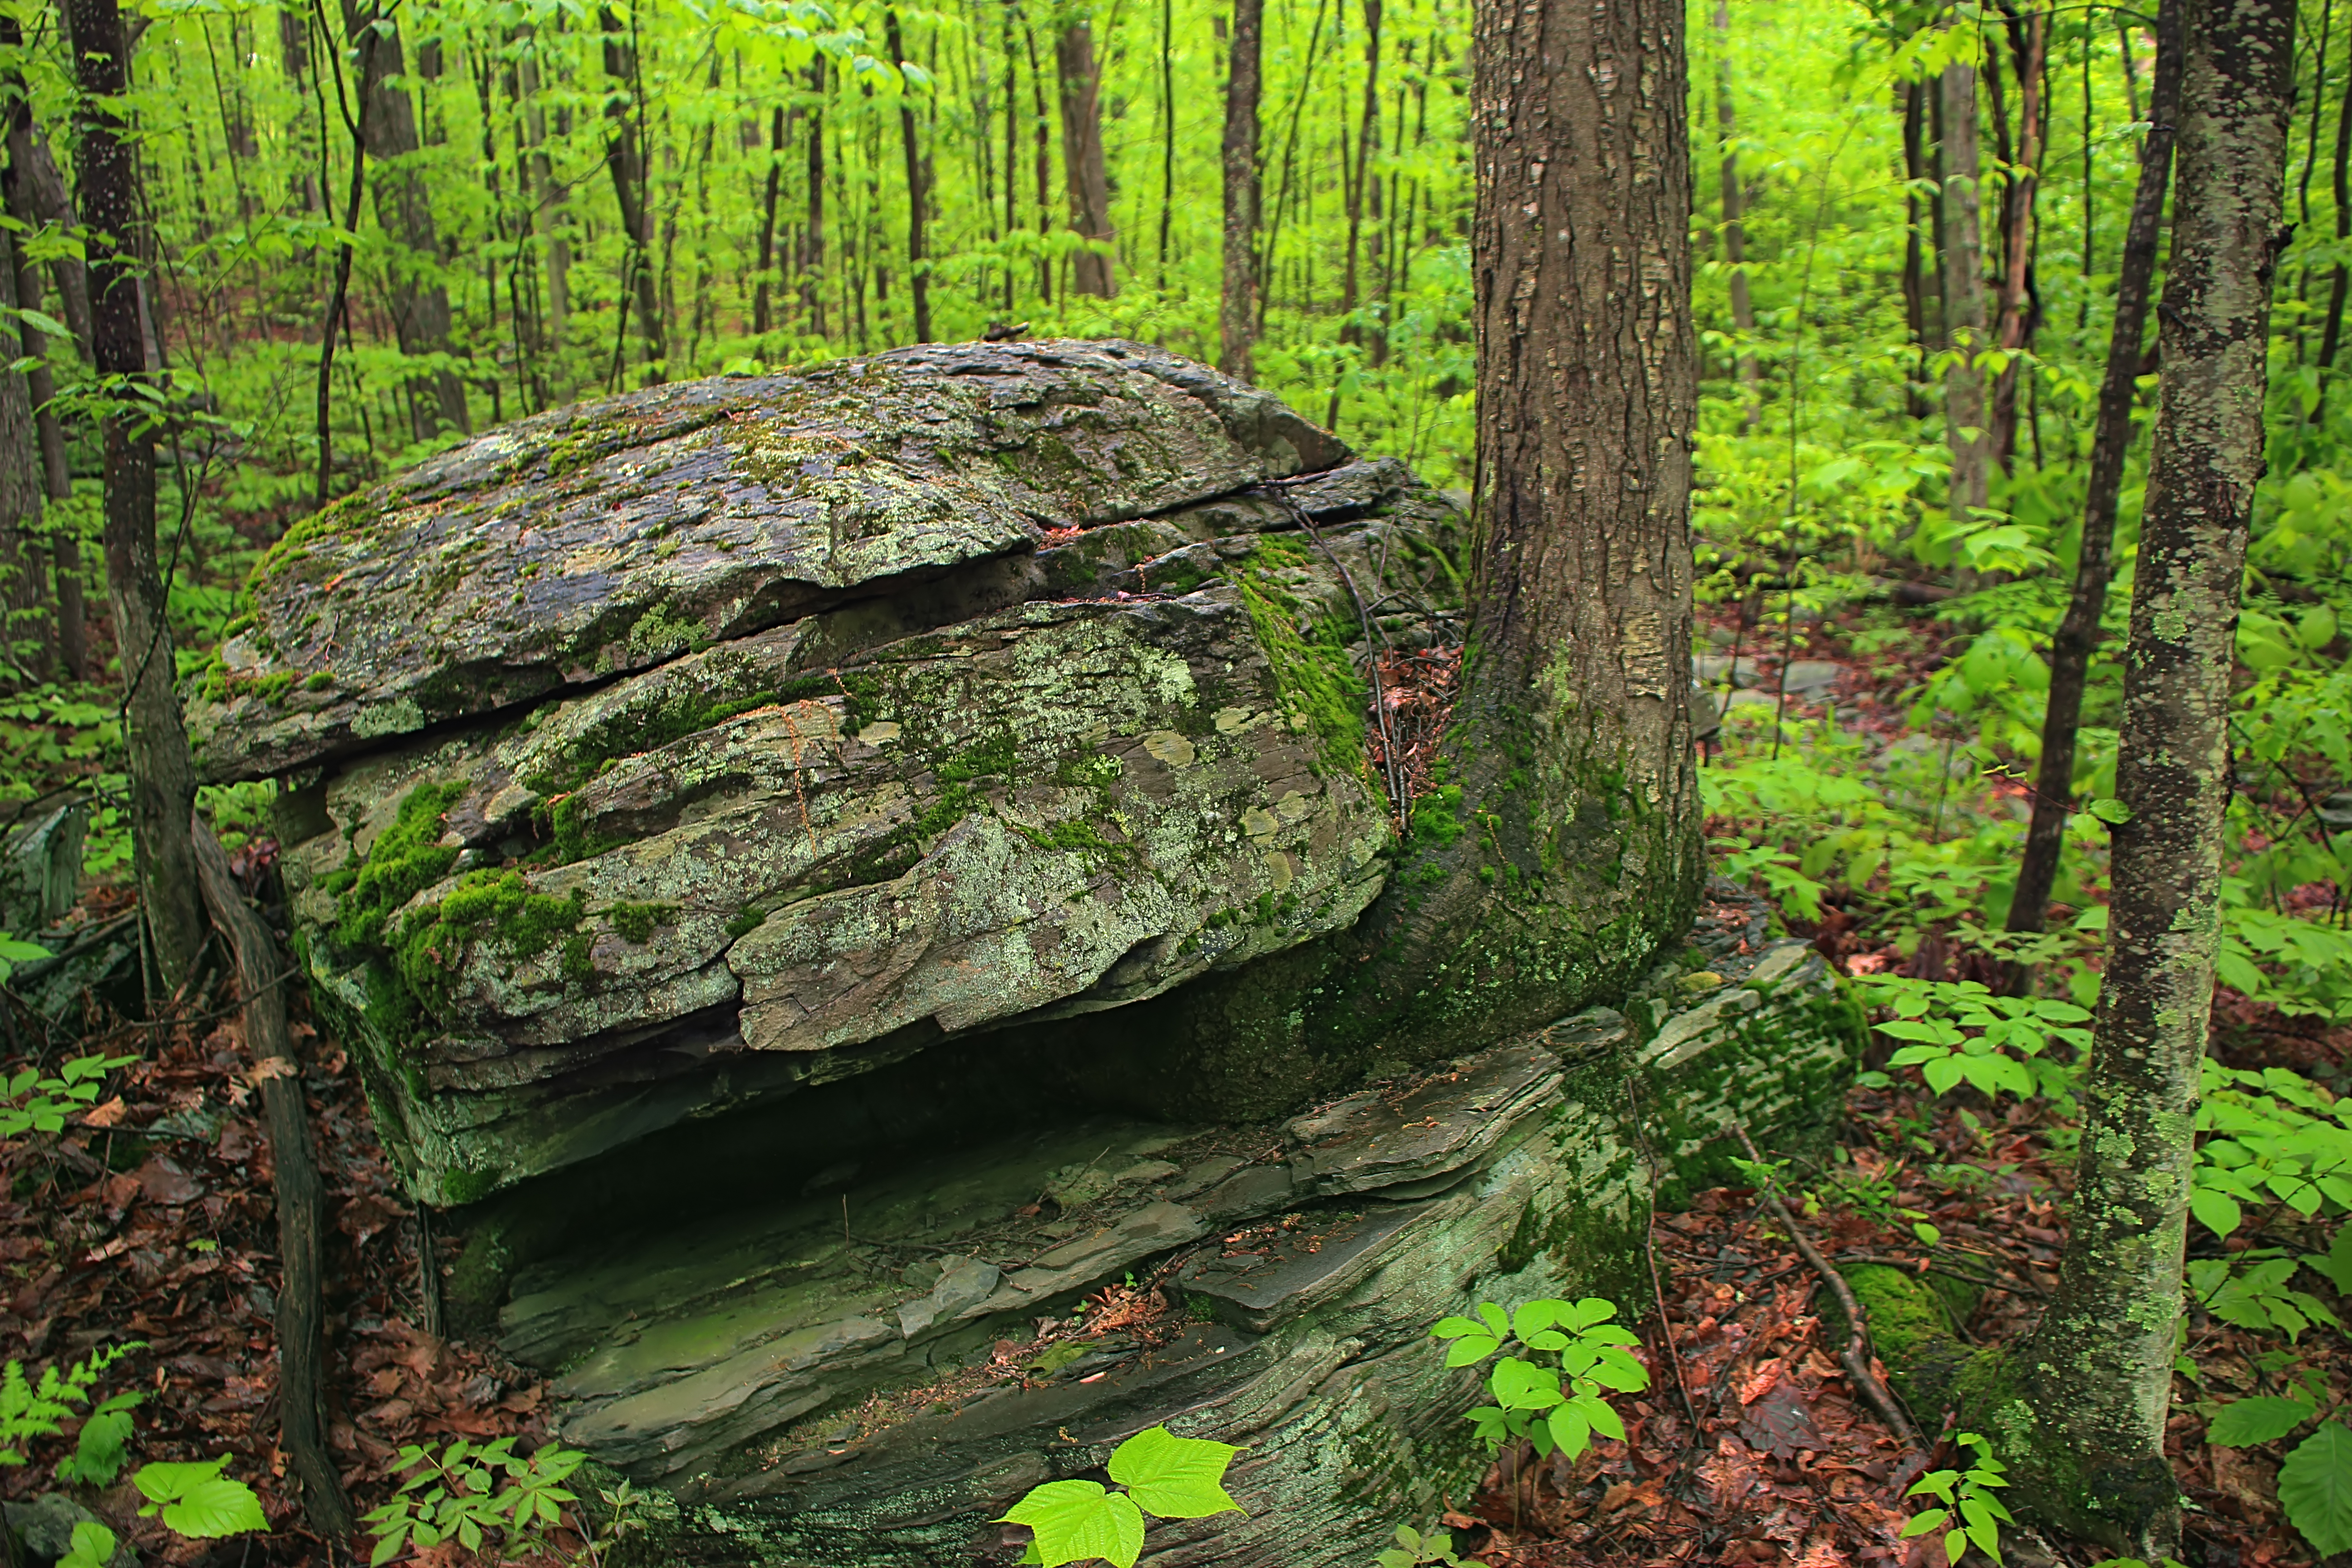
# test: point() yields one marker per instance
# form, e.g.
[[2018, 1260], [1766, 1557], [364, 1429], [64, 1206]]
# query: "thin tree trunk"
[[1964, 300], [919, 271], [403, 209], [549, 216], [24, 587], [2089, 1392], [1167, 133], [1914, 271], [625, 157], [1012, 155], [2332, 338], [811, 260], [163, 776], [2020, 311], [1735, 233], [339, 293], [1367, 142], [301, 1197], [1044, 159], [768, 219], [1237, 304], [2078, 633], [73, 637], [1089, 181]]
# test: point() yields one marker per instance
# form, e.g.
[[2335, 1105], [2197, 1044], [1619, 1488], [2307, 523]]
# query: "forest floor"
[[151, 1220]]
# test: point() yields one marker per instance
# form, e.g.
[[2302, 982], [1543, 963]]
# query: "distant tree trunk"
[[1914, 272], [1082, 161], [1735, 233], [404, 209], [919, 269], [812, 256], [2078, 634], [163, 776], [2333, 338], [549, 215], [2082, 1415], [24, 587], [1045, 160], [1361, 188], [73, 644], [1964, 300], [625, 157], [1167, 133], [2020, 309], [1237, 306], [339, 293], [768, 220]]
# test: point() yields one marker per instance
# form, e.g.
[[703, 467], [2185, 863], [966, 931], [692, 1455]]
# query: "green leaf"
[[2110, 811], [1175, 1478], [1523, 1385], [2243, 1422], [213, 1509], [2216, 1210], [2336, 1265], [1925, 1522], [1075, 1521], [2314, 1486], [1473, 1348], [93, 1547]]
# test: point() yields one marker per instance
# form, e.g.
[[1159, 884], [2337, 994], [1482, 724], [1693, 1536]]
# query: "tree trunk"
[[1166, 134], [2020, 311], [811, 248], [2332, 337], [24, 591], [1237, 305], [548, 217], [624, 156], [1082, 161], [1045, 160], [1964, 300], [403, 209], [1367, 141], [2078, 634], [337, 319], [2083, 1418], [1915, 269], [761, 291], [1735, 233], [162, 777], [919, 271]]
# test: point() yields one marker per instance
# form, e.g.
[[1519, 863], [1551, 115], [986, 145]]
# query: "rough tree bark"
[[919, 271], [1964, 295], [2081, 1416], [404, 209], [163, 778], [2078, 633], [1912, 96], [1083, 167], [1237, 306], [23, 586]]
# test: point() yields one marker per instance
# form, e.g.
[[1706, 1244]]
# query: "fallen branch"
[[1856, 1356], [301, 1196]]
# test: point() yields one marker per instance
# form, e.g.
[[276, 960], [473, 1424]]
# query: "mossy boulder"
[[742, 830]]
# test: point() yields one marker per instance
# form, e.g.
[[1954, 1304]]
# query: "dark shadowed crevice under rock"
[[741, 829]]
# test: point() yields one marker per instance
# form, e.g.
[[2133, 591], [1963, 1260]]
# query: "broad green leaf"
[[2314, 1486], [93, 1547], [2216, 1210], [1074, 1520], [1495, 1319], [215, 1508], [2336, 1265], [1523, 1385], [1175, 1478], [1473, 1348], [2243, 1422]]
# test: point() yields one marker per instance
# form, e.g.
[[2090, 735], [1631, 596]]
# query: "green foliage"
[[103, 1444], [2314, 1487], [31, 1410], [196, 1501], [1413, 1549], [93, 1546], [2252, 1290], [1961, 1033], [2269, 1139], [468, 1492], [15, 950], [1078, 1520], [35, 1101], [1548, 1390], [1972, 1513], [2248, 1423]]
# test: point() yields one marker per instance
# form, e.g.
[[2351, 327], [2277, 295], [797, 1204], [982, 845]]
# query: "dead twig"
[[1856, 1356]]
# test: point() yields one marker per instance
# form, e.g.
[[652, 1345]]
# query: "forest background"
[[559, 200]]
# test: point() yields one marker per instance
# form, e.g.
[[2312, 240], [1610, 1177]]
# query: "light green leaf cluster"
[[1547, 1391], [35, 1101], [1972, 1513], [2314, 1487], [33, 1409], [468, 1490], [196, 1501], [1960, 1032], [2270, 1138], [1079, 1521]]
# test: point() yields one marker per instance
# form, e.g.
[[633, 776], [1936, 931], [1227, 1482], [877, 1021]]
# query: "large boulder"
[[740, 829]]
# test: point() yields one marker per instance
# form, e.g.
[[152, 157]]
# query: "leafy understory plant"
[[1960, 1032], [2314, 1485], [1972, 1515], [196, 1501], [32, 1409], [1548, 1390], [1416, 1550], [1080, 1521], [35, 1101], [466, 1491]]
